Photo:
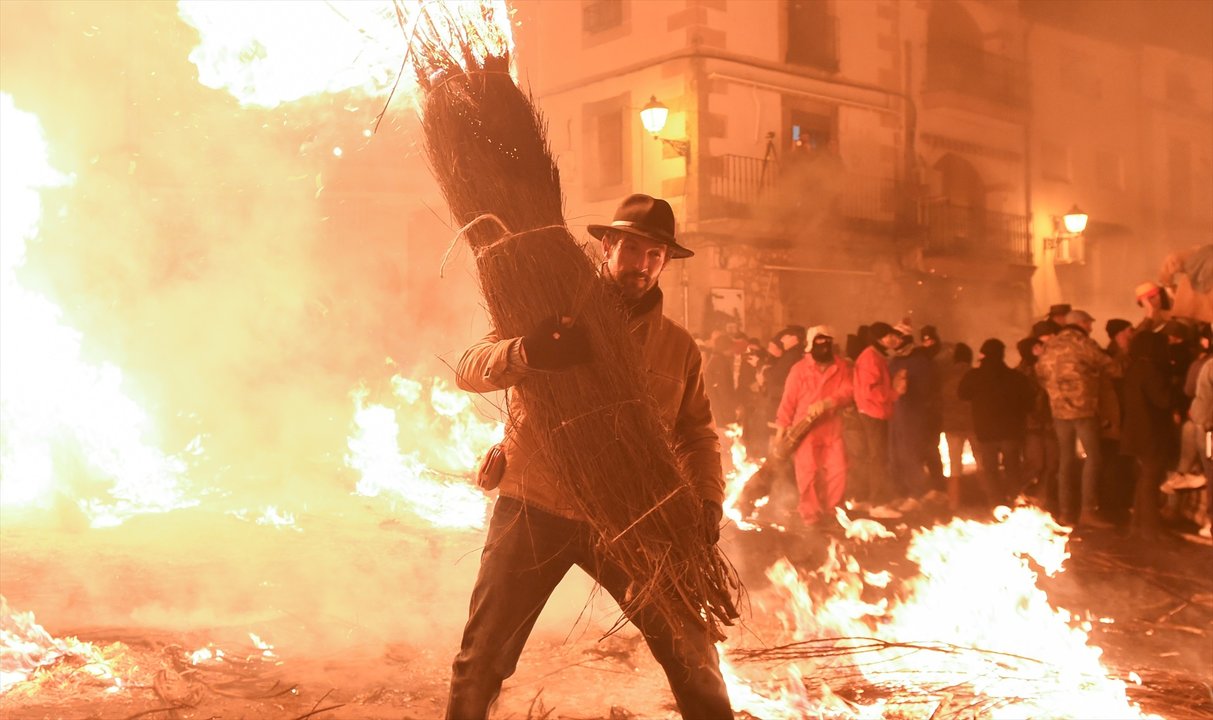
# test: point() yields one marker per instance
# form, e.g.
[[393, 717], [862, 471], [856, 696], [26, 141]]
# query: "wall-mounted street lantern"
[[1066, 242], [1074, 221], [653, 116]]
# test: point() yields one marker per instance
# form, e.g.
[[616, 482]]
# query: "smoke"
[[247, 269]]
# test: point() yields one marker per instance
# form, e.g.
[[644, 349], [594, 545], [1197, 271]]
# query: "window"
[[809, 131], [812, 35], [600, 15], [605, 141], [610, 148]]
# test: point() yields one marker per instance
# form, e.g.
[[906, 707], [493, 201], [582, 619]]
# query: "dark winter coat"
[[776, 375], [1001, 400], [1147, 429]]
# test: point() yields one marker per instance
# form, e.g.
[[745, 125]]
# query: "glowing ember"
[[969, 635], [269, 53], [440, 437], [54, 407]]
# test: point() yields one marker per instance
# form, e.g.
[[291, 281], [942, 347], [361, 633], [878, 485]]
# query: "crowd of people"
[[880, 418]]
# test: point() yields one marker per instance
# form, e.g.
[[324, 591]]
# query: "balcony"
[[738, 186], [975, 233], [970, 72]]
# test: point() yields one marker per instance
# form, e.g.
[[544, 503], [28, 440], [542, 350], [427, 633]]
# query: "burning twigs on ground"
[[598, 432]]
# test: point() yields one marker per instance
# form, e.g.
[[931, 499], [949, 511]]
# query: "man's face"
[[891, 341], [1123, 337], [789, 341], [633, 262], [1087, 325], [774, 349]]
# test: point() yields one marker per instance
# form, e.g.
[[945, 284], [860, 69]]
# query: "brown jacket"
[[675, 371]]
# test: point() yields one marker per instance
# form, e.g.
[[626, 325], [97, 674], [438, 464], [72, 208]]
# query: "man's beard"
[[633, 284]]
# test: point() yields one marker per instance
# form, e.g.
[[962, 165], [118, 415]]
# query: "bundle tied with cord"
[[598, 430]]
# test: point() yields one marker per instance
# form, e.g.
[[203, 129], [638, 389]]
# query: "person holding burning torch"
[[535, 536], [816, 388]]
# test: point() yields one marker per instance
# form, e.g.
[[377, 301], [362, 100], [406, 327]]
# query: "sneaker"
[[1206, 532], [884, 512], [908, 505], [1091, 520], [1182, 481]]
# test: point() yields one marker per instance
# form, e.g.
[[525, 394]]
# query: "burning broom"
[[600, 431]]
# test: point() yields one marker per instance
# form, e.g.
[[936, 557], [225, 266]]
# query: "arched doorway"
[[958, 214]]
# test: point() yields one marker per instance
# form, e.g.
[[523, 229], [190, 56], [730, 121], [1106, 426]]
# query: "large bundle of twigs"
[[599, 429]]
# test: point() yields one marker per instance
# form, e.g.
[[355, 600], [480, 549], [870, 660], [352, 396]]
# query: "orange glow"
[[441, 437], [51, 400], [975, 590], [266, 54]]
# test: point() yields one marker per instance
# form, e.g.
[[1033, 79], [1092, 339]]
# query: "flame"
[[26, 649], [52, 401], [449, 440], [966, 456], [736, 479], [971, 620], [265, 54]]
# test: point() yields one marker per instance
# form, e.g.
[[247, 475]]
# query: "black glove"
[[713, 513], [556, 344]]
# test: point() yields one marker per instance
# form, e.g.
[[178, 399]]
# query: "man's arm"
[[491, 364], [695, 441]]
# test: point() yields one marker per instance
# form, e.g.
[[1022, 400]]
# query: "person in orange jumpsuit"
[[820, 384]]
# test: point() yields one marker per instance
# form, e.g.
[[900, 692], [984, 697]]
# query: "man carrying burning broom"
[[611, 460], [536, 534]]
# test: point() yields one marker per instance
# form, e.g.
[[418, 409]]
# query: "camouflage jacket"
[[1070, 368]]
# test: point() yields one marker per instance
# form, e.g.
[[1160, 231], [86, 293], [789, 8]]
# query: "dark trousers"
[[1040, 459], [874, 460], [1151, 469], [526, 555], [908, 445], [1116, 482], [990, 454]]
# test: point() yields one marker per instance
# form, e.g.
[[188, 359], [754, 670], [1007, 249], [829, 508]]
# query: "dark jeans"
[[874, 460], [526, 555], [1087, 432], [999, 485]]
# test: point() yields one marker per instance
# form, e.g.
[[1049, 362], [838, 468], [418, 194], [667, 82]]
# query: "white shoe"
[[909, 505], [884, 512], [1206, 532], [1177, 481]]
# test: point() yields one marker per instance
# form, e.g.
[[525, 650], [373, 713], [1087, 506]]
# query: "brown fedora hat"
[[648, 217]]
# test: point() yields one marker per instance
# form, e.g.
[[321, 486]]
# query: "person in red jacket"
[[819, 385], [874, 399]]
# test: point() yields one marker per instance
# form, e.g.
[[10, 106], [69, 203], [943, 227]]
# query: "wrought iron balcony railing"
[[969, 70], [975, 232]]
